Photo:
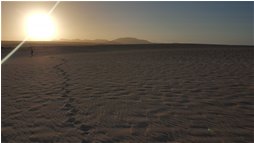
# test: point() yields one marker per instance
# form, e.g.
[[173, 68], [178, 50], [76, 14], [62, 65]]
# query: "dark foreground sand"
[[136, 94]]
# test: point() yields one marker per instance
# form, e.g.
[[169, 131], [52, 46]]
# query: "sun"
[[40, 27]]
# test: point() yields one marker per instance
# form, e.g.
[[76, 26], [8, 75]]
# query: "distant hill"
[[95, 41], [126, 40], [129, 40]]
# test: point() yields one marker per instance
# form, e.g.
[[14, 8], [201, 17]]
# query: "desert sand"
[[130, 94]]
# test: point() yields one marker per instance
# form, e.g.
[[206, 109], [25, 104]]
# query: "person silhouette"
[[32, 52]]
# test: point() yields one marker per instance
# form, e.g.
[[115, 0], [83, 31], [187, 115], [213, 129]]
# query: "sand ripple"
[[178, 95]]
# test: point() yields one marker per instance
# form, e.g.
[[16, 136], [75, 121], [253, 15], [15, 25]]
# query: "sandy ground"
[[132, 95]]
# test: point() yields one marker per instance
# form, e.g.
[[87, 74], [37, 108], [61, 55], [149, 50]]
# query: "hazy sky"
[[192, 22]]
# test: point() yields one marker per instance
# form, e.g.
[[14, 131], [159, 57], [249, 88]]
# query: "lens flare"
[[21, 43]]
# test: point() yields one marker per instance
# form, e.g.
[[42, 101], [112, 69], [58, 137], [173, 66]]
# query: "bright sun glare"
[[40, 27]]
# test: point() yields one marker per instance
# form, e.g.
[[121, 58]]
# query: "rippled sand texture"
[[178, 95]]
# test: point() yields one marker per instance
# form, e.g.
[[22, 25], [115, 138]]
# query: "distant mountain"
[[129, 40], [97, 41]]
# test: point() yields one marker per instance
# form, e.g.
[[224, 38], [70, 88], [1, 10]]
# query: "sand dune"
[[129, 94]]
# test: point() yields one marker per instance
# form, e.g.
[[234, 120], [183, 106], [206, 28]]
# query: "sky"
[[161, 22]]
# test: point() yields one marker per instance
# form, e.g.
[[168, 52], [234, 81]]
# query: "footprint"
[[84, 141], [67, 91], [71, 100], [68, 105], [85, 128], [64, 95], [72, 112], [70, 122], [77, 122]]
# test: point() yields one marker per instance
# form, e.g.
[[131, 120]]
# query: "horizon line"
[[151, 43]]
